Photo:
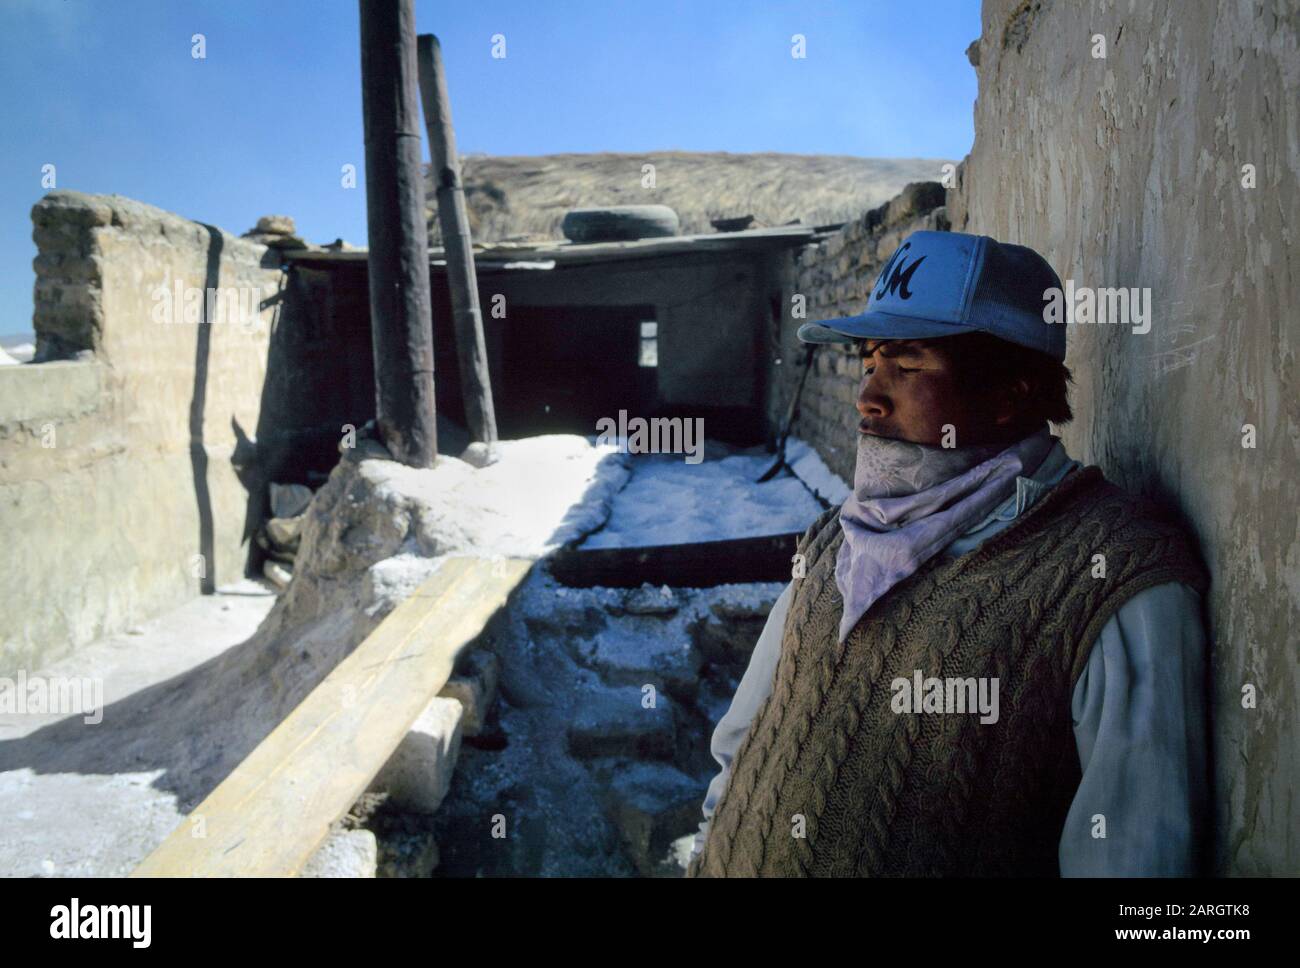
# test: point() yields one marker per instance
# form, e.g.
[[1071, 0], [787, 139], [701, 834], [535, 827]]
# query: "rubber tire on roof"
[[620, 223]]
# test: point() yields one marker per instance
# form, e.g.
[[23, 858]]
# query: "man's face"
[[909, 391]]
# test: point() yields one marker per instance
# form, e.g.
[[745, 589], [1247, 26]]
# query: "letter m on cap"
[[896, 277]]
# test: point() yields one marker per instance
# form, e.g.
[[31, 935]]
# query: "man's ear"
[[1010, 402]]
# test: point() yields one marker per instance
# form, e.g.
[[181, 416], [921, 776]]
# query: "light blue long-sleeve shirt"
[[1138, 711]]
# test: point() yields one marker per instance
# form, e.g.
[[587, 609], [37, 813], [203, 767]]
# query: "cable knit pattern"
[[881, 793]]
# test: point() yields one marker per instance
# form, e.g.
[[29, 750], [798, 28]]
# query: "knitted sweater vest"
[[830, 780]]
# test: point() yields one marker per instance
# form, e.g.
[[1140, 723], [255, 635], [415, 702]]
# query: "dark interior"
[[558, 369]]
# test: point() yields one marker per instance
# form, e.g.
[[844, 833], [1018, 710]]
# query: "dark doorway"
[[562, 368]]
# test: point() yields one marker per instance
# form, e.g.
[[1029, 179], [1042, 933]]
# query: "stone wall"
[[116, 451], [834, 278], [1129, 170]]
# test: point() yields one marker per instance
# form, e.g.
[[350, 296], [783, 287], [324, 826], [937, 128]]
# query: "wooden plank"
[[401, 312], [274, 810], [471, 348], [701, 564]]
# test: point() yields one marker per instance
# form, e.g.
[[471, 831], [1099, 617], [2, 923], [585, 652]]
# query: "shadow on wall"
[[246, 457], [319, 382], [198, 450], [319, 388]]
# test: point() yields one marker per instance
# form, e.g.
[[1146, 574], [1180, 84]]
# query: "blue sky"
[[108, 92]]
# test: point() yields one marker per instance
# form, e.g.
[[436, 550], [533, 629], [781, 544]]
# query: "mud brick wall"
[[125, 452]]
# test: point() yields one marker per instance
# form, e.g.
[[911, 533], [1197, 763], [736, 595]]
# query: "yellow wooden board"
[[270, 815]]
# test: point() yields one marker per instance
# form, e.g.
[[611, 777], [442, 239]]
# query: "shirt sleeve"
[[1140, 729], [755, 685]]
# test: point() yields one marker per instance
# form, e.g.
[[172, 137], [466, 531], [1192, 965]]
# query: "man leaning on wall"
[[992, 659]]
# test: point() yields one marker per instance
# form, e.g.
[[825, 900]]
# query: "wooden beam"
[[566, 253], [270, 815], [400, 306], [702, 564], [458, 249]]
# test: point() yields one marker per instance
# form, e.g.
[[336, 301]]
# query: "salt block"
[[289, 500], [614, 722], [475, 691], [277, 574], [418, 774], [345, 853]]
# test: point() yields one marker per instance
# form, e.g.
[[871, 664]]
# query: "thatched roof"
[[528, 196]]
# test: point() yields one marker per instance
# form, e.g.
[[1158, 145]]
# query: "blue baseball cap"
[[949, 283]]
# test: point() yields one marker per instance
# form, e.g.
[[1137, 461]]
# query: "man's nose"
[[872, 400]]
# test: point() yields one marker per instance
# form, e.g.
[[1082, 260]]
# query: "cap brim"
[[817, 333], [876, 325]]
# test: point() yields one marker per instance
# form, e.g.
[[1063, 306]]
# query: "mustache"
[[876, 428]]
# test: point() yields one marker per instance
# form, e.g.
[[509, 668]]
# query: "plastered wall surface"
[[1129, 170], [116, 470]]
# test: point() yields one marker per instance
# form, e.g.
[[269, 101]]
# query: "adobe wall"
[[116, 467], [1127, 171]]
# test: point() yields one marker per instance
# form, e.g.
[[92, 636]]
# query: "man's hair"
[[983, 360]]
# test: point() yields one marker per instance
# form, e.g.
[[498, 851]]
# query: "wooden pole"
[[400, 308], [471, 349]]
